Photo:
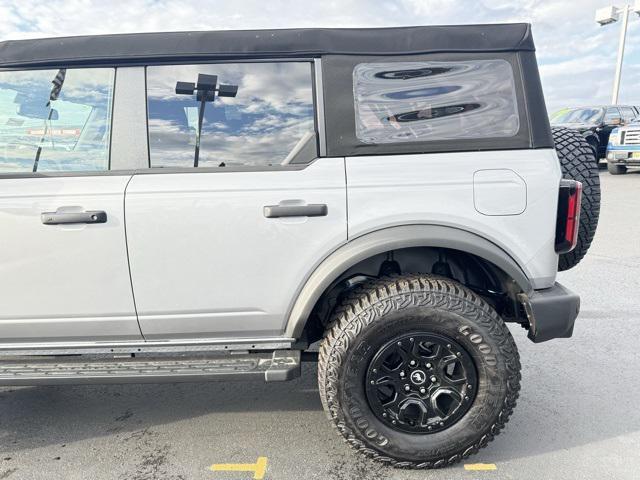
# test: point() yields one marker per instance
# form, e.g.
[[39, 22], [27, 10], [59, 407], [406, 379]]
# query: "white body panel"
[[64, 282], [438, 188], [205, 262]]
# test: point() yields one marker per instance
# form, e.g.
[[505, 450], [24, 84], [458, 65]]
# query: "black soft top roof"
[[133, 48]]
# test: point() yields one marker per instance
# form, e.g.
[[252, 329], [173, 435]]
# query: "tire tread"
[[367, 304], [579, 163]]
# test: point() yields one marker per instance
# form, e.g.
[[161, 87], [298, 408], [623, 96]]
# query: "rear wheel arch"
[[401, 239]]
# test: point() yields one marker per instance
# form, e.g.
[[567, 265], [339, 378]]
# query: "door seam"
[[126, 244]]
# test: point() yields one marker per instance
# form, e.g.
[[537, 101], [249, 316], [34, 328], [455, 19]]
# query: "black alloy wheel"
[[421, 383]]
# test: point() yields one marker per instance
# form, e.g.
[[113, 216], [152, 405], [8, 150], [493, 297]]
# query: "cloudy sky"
[[576, 56]]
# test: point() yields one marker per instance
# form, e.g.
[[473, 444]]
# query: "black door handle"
[[313, 210], [59, 218]]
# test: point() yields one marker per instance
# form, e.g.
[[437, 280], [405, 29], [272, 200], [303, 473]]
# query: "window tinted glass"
[[422, 101], [61, 118], [590, 116], [269, 121], [627, 113], [612, 114]]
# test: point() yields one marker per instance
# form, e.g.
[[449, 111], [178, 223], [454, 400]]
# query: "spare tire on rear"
[[579, 163]]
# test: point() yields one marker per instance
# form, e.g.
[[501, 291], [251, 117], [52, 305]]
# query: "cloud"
[[576, 55]]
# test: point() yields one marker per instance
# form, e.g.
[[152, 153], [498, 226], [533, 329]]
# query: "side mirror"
[[616, 121]]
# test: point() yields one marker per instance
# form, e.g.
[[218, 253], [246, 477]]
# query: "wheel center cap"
[[418, 377]]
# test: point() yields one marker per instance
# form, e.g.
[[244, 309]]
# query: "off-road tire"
[[579, 163], [616, 169], [381, 310]]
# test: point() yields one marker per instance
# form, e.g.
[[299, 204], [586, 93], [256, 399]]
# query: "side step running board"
[[278, 365]]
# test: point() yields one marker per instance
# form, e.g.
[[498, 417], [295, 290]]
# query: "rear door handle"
[[313, 210], [59, 218]]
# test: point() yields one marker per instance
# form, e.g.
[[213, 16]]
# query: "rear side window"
[[266, 120], [427, 101], [55, 120]]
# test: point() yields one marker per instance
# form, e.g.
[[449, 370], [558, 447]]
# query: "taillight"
[[568, 220]]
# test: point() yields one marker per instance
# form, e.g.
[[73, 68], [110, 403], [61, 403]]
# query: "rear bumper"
[[551, 312]]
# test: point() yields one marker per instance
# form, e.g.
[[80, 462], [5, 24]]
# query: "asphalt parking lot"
[[577, 418]]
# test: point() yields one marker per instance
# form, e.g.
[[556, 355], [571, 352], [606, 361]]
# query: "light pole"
[[205, 91], [605, 16]]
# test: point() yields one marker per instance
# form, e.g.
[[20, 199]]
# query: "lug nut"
[[393, 421], [423, 391], [402, 374], [411, 339], [434, 379], [412, 363], [448, 345], [407, 388], [428, 365], [373, 382], [458, 354]]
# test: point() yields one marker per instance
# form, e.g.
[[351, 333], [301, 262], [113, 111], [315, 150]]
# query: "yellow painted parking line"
[[480, 466], [259, 468]]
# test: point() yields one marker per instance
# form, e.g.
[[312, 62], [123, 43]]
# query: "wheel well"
[[476, 273]]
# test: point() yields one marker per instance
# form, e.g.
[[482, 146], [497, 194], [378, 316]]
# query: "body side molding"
[[395, 238]]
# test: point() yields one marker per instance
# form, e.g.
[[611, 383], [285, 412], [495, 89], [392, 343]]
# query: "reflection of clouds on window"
[[422, 101], [272, 111], [73, 135]]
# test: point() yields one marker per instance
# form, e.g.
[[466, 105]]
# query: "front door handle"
[[312, 210], [59, 218]]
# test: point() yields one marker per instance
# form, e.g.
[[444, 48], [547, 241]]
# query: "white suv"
[[208, 205]]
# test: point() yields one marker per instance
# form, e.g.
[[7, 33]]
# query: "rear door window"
[[269, 121], [426, 101], [56, 120]]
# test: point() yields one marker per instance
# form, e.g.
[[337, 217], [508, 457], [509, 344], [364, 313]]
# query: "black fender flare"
[[394, 238]]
